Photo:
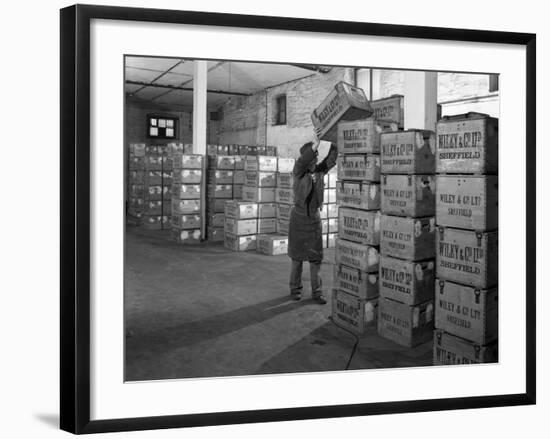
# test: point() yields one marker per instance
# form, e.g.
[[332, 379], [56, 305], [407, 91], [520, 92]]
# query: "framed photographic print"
[[324, 216]]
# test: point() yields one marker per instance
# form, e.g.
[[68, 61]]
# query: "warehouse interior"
[[204, 310]]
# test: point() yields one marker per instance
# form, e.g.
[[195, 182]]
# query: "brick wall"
[[251, 120]]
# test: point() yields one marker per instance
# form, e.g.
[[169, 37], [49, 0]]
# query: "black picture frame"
[[75, 217]]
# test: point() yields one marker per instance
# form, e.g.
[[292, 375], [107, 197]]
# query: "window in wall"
[[493, 83], [161, 127], [281, 110]]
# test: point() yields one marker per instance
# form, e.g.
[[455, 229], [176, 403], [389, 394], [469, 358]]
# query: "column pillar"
[[420, 100]]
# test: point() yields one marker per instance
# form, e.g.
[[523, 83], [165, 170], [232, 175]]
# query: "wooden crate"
[[238, 177], [153, 207], [407, 152], [238, 191], [221, 162], [220, 191], [137, 149], [358, 195], [407, 238], [185, 176], [220, 176], [285, 180], [267, 210], [284, 196], [362, 226], [153, 221], [467, 143], [407, 282], [186, 191], [192, 221], [467, 312], [390, 109], [283, 211], [241, 227], [408, 195], [163, 177], [239, 243], [282, 226], [216, 220], [260, 178], [345, 102], [354, 314], [215, 205], [467, 201], [260, 163], [241, 209], [267, 225], [404, 324], [154, 162], [285, 165], [449, 349], [363, 167], [186, 236], [272, 245], [352, 254], [467, 257], [239, 162], [187, 161], [186, 206], [356, 282], [362, 136], [136, 163], [259, 195]]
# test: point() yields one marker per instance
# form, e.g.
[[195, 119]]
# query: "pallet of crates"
[[275, 241], [357, 194], [187, 177], [157, 188], [466, 288], [406, 276]]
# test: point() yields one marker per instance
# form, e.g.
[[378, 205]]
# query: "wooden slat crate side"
[[267, 210], [220, 191], [186, 222], [272, 245], [355, 255], [240, 243], [408, 195], [186, 236], [467, 144], [241, 227], [216, 220], [408, 152], [284, 196], [467, 257], [467, 312], [267, 225], [407, 238], [282, 226], [358, 195], [283, 211], [285, 180], [221, 162], [390, 109], [361, 167], [215, 205], [451, 350], [285, 165], [186, 191], [186, 206], [261, 178], [362, 136], [467, 201], [258, 195], [406, 325], [215, 234], [239, 176], [362, 226], [220, 176], [407, 282], [260, 163], [345, 102], [356, 282], [352, 313], [184, 176]]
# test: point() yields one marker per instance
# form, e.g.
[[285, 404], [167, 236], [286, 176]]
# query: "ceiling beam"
[[175, 87], [314, 68]]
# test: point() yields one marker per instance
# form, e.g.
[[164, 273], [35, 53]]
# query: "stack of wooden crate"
[[329, 211], [355, 293], [240, 225], [188, 171], [466, 311], [407, 246], [221, 174], [136, 177], [261, 187]]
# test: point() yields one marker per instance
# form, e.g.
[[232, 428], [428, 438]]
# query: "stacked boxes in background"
[[329, 212], [356, 284], [221, 175], [240, 225], [466, 289], [149, 186], [188, 171], [407, 248]]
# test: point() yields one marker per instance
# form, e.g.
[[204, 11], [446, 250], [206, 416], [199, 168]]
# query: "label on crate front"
[[285, 180], [358, 195], [351, 280], [359, 136], [283, 211], [360, 256], [284, 196], [408, 152], [365, 167], [408, 195], [285, 165], [360, 226], [407, 238], [260, 178]]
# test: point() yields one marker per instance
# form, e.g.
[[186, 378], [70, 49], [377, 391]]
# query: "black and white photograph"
[[298, 218]]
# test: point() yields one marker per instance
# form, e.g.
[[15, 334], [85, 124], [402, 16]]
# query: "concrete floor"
[[204, 311]]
